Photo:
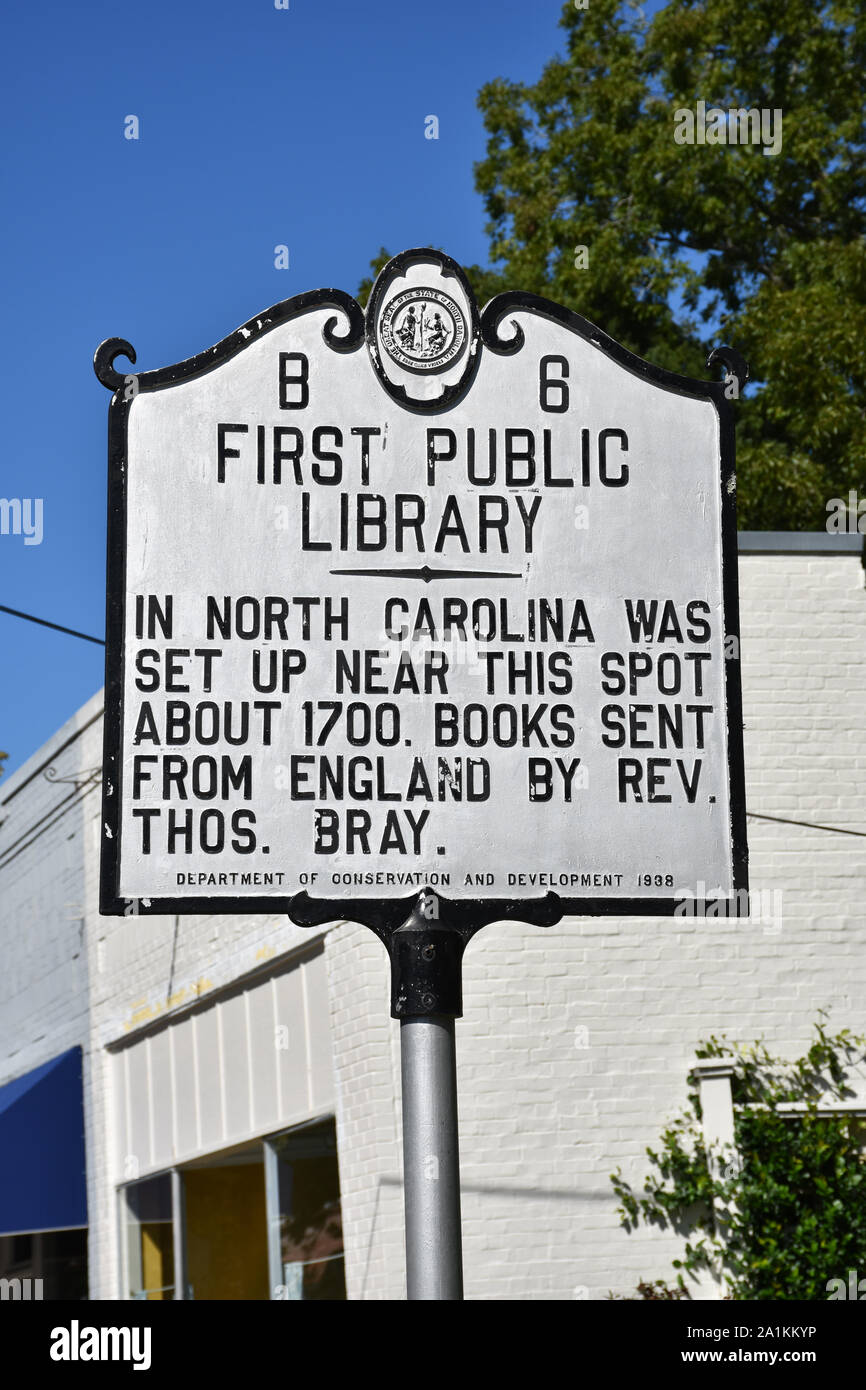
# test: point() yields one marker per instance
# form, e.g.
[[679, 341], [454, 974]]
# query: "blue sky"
[[258, 127]]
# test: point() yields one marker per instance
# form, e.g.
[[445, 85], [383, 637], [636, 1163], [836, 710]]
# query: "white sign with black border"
[[420, 597]]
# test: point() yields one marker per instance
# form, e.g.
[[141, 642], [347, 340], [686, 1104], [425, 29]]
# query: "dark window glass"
[[311, 1228]]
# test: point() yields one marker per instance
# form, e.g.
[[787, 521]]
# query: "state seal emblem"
[[423, 330]]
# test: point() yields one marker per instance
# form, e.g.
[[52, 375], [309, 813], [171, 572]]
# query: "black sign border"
[[389, 911]]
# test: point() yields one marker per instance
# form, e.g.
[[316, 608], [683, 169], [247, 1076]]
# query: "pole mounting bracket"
[[425, 937]]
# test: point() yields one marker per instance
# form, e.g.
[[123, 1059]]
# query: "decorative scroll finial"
[[103, 361], [491, 322], [735, 364], [345, 342]]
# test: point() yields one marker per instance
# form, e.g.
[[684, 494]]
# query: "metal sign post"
[[427, 962], [423, 617], [431, 1159]]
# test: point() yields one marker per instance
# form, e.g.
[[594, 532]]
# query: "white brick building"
[[202, 1036]]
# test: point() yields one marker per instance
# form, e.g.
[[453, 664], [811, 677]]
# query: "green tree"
[[785, 1213], [691, 245]]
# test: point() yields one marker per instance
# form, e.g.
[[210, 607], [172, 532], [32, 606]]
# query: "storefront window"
[[306, 1231], [149, 1239], [226, 1226], [45, 1265], [261, 1221]]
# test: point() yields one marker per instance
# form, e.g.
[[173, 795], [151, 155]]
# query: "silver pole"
[[431, 1164]]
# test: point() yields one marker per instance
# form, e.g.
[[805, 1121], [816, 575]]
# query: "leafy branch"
[[783, 1211]]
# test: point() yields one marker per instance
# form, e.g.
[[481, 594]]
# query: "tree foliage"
[[785, 1212], [690, 245]]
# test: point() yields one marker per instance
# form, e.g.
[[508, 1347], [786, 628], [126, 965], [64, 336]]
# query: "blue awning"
[[42, 1182]]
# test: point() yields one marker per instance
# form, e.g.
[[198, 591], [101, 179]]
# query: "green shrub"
[[786, 1211]]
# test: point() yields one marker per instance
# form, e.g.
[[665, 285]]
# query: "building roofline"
[[801, 543]]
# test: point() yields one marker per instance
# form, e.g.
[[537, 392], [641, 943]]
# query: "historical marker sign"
[[416, 598]]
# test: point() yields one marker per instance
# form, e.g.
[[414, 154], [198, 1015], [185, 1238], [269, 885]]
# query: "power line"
[[810, 824], [43, 622], [45, 823]]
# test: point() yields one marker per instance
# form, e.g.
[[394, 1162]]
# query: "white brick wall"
[[543, 1121]]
